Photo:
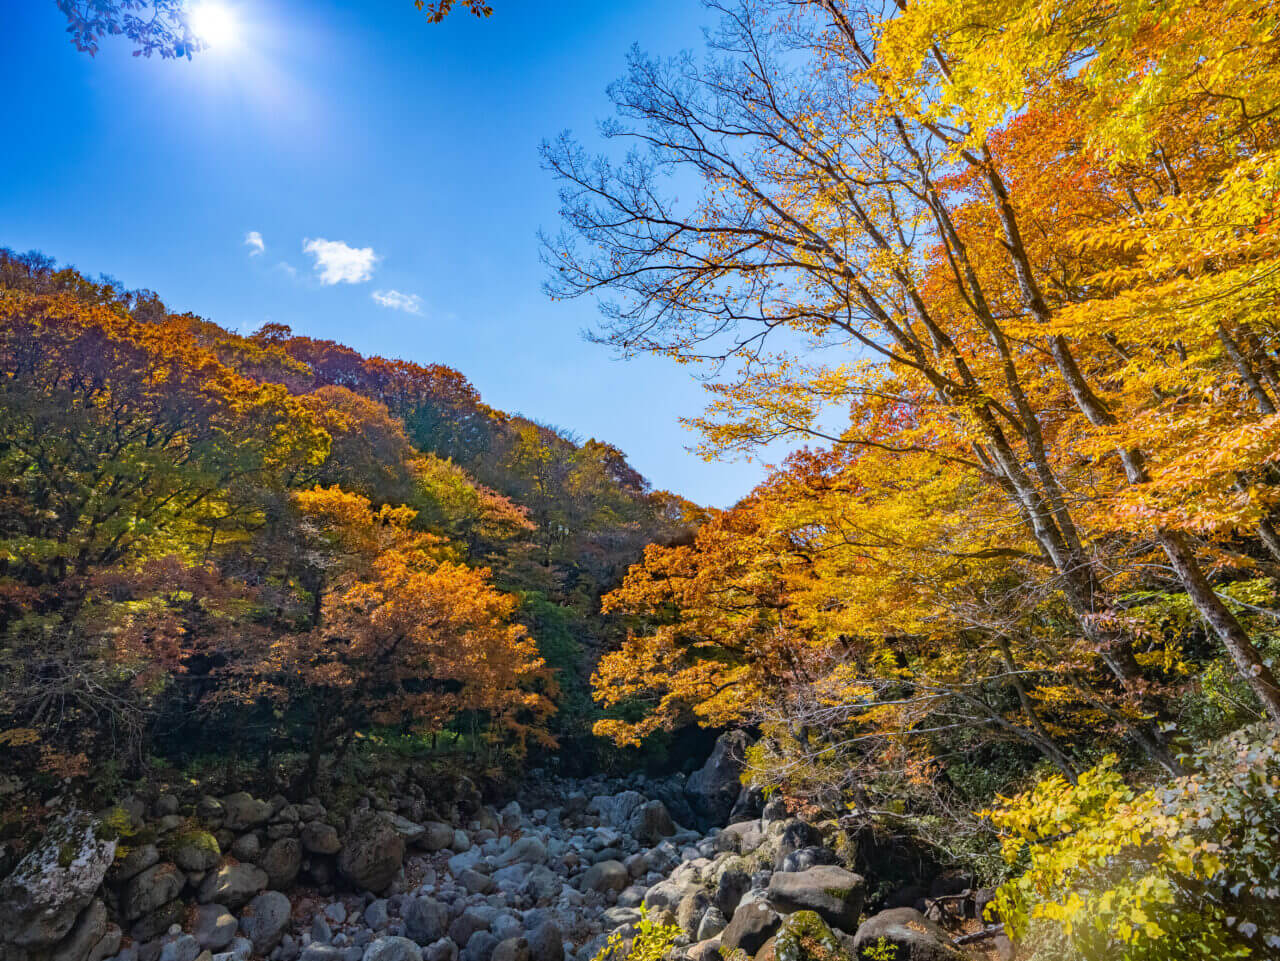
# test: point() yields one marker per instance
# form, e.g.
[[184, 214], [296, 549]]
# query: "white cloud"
[[253, 240], [336, 263], [409, 303]]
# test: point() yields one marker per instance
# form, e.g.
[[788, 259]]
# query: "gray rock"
[[372, 853], [914, 936], [666, 894], [426, 920], [436, 836], [477, 883], [157, 885], [241, 812], [526, 850], [751, 927], [134, 863], [834, 893], [376, 914], [511, 949], [442, 950], [336, 912], [43, 896], [320, 838], [183, 948], [605, 876], [90, 928], [247, 847], [320, 952], [650, 823], [546, 942], [806, 858], [713, 789], [542, 884], [108, 945], [733, 884], [471, 859], [158, 921], [392, 949], [741, 838], [265, 919], [282, 862], [690, 912], [461, 841], [712, 924], [480, 947], [232, 884], [213, 926], [195, 851], [411, 831]]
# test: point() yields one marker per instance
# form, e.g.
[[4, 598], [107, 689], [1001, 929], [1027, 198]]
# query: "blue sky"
[[356, 127]]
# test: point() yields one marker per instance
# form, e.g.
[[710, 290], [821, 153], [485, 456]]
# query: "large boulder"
[[242, 811], [264, 921], [437, 836], [320, 838], [734, 882], [526, 850], [372, 853], [615, 810], [792, 836], [751, 927], [693, 907], [805, 935], [425, 920], [232, 884], [86, 934], [605, 876], [43, 896], [650, 823], [213, 926], [392, 949], [546, 942], [195, 850], [154, 887], [913, 936], [713, 789], [282, 862], [834, 893]]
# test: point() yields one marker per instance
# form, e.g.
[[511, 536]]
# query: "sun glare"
[[213, 24]]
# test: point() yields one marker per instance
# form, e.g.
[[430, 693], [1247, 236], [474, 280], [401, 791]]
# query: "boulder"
[[195, 850], [436, 836], [733, 884], [372, 853], [134, 863], [156, 886], [546, 942], [806, 858], [43, 896], [741, 838], [511, 949], [411, 831], [693, 907], [751, 927], [425, 920], [615, 810], [108, 945], [282, 862], [805, 935], [265, 919], [181, 948], [232, 884], [247, 847], [605, 876], [442, 950], [542, 884], [321, 952], [526, 850], [794, 835], [242, 811], [477, 883], [650, 823], [713, 789], [666, 894], [834, 893], [158, 921], [479, 948], [320, 838], [213, 926], [913, 936], [708, 950], [88, 931], [712, 924], [392, 949], [467, 924]]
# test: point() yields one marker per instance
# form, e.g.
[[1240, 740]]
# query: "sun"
[[213, 24]]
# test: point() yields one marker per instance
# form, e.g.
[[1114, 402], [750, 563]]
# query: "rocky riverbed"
[[546, 878]]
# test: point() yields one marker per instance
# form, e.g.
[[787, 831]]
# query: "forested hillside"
[[272, 538]]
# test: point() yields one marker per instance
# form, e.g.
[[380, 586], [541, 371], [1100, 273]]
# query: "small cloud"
[[409, 303], [286, 268], [337, 263], [253, 240]]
